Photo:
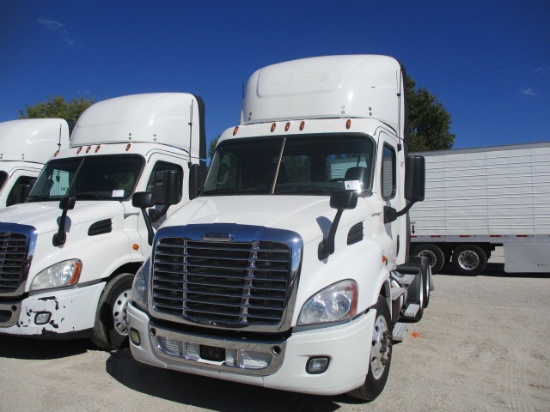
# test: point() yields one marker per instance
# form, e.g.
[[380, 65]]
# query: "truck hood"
[[310, 216], [44, 216]]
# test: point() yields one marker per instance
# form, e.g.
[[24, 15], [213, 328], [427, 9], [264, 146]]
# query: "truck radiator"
[[222, 283], [13, 255]]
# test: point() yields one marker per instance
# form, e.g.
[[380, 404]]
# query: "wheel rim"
[[120, 315], [380, 352], [432, 258], [468, 260]]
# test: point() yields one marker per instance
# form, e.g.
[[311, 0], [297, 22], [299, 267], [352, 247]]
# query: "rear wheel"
[[111, 324], [380, 355], [469, 259], [434, 254]]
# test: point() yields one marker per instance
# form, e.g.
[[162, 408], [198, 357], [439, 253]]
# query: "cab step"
[[405, 280], [396, 292], [399, 331], [411, 310]]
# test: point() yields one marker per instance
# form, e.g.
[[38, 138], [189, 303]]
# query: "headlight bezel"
[[140, 287], [59, 275], [332, 304]]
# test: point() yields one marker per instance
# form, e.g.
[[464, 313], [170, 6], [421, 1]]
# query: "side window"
[[18, 192], [388, 172], [155, 184]]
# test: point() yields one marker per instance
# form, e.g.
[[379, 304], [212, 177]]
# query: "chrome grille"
[[13, 255], [229, 283]]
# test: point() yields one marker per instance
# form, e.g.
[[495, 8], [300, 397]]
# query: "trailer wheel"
[[435, 255], [380, 354], [111, 324], [469, 259]]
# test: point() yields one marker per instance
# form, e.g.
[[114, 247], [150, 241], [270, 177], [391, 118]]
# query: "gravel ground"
[[483, 345]]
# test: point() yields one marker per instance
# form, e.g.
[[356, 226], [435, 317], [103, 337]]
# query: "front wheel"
[[469, 259], [111, 323], [380, 354]]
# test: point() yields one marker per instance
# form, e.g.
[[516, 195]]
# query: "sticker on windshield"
[[118, 193], [353, 185]]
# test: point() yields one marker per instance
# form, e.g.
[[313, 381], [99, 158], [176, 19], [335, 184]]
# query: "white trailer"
[[292, 267], [481, 198], [70, 252], [25, 145]]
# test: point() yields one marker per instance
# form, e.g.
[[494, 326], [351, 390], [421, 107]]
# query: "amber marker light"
[[88, 149], [273, 126], [302, 125], [348, 124], [287, 126], [235, 130], [135, 246], [56, 153], [79, 150], [97, 148], [128, 146]]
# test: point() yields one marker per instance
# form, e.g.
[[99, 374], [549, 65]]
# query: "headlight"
[[139, 287], [61, 274], [332, 304]]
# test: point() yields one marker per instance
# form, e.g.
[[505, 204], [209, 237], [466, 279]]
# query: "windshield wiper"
[[39, 198], [309, 190]]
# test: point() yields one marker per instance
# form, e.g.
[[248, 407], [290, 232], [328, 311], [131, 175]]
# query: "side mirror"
[[142, 200], [341, 200], [168, 192], [67, 203], [344, 199], [415, 178], [197, 176]]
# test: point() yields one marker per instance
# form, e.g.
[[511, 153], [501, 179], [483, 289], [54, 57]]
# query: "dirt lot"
[[483, 345]]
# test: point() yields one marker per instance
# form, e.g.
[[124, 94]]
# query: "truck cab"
[[73, 248], [291, 268], [25, 146]]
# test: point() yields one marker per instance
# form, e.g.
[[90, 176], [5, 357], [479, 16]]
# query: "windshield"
[[88, 178], [314, 164]]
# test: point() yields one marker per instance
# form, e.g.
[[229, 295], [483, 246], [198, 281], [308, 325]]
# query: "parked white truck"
[[67, 273], [290, 270], [479, 199], [25, 145]]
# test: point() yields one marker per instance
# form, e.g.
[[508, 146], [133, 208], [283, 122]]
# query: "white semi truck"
[[292, 267], [69, 254], [25, 145], [482, 198]]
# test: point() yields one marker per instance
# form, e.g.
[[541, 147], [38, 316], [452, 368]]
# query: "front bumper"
[[51, 312], [277, 365]]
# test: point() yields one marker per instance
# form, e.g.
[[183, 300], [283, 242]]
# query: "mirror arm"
[[326, 247], [390, 214], [150, 231]]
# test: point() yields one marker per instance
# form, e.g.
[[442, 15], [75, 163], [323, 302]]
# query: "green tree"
[[57, 107], [429, 121]]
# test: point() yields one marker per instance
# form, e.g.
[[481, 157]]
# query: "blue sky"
[[487, 62]]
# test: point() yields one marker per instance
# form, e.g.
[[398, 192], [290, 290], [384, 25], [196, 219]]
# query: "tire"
[[469, 259], [111, 328], [426, 278], [419, 293], [435, 255], [380, 355]]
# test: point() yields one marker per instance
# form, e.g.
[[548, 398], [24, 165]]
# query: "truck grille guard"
[[226, 276]]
